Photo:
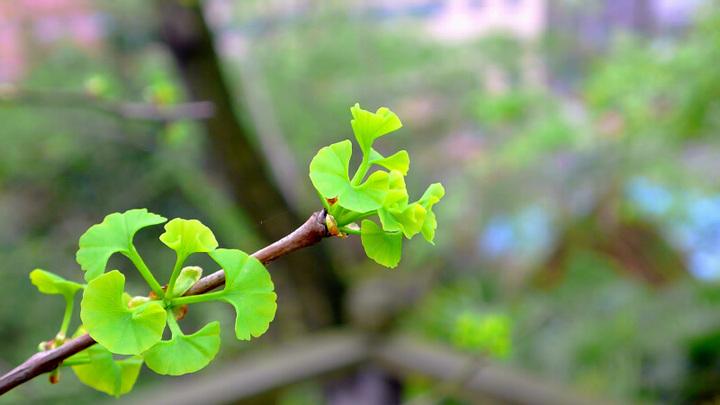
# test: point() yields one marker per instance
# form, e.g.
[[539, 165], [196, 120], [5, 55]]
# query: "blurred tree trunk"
[[191, 41]]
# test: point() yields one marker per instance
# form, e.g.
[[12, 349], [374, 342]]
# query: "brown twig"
[[197, 110], [309, 233]]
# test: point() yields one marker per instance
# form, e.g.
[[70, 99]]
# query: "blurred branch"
[[489, 384], [308, 234], [197, 110], [332, 352]]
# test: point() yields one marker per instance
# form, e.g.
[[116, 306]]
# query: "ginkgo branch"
[[309, 233]]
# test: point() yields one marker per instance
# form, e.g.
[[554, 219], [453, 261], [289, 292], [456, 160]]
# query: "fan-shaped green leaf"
[[396, 214], [383, 247], [188, 236], [367, 196], [432, 196], [113, 235], [248, 288], [369, 126], [49, 283], [109, 321], [185, 354], [399, 161], [329, 174], [329, 168], [105, 374]]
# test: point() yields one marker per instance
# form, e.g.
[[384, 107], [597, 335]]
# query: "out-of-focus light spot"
[[650, 197]]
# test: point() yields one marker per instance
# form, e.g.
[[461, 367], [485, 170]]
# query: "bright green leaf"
[[369, 126], [383, 247], [248, 288], [432, 196], [367, 196], [113, 235], [329, 169], [105, 374], [412, 219], [329, 174], [185, 354], [395, 214], [109, 321], [188, 276], [188, 236], [49, 283], [399, 161]]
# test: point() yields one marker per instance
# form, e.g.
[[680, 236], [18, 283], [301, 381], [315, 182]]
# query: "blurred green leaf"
[[104, 373]]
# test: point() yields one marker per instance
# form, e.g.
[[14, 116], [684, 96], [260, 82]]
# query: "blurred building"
[[29, 25], [595, 23]]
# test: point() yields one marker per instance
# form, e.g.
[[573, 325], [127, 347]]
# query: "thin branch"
[[197, 110], [309, 233]]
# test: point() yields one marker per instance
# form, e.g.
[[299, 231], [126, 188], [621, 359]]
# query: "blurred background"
[[578, 251]]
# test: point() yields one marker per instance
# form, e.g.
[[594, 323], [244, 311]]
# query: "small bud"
[[331, 201], [55, 376], [331, 225], [180, 312], [137, 301]]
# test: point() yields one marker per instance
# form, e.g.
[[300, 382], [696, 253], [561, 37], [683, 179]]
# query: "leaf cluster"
[[376, 189], [129, 330]]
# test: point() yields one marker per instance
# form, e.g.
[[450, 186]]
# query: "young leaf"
[[105, 374], [383, 247], [113, 235], [399, 161], [369, 126], [49, 283], [432, 196], [188, 236], [329, 174], [106, 316], [367, 196], [248, 288], [185, 354], [188, 276], [395, 214]]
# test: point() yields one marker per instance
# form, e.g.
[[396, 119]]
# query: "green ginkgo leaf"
[[383, 247], [432, 196], [103, 373], [188, 236], [185, 354], [369, 126], [396, 214], [248, 288], [399, 161], [105, 314], [49, 283], [329, 174], [188, 276], [113, 235], [367, 196]]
